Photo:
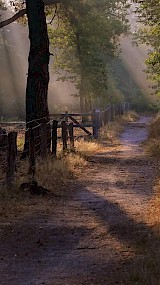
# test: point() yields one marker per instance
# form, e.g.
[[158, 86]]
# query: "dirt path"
[[90, 237]]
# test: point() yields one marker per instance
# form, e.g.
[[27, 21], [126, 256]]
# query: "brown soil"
[[91, 234]]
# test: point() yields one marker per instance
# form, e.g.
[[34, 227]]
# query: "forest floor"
[[92, 233]]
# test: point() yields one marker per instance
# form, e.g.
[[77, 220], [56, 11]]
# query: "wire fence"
[[42, 138]]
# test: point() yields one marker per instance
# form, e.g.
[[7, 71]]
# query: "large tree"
[[38, 74]]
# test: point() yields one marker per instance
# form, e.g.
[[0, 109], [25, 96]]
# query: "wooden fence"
[[38, 144]]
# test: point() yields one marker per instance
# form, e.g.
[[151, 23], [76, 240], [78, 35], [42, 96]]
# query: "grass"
[[112, 130], [153, 143], [145, 267]]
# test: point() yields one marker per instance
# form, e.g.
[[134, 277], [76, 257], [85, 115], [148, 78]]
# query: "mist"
[[14, 49], [133, 57]]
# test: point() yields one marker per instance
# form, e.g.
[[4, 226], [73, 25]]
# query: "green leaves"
[[84, 39], [149, 33]]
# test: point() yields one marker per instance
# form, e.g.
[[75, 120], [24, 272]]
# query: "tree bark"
[[38, 70]]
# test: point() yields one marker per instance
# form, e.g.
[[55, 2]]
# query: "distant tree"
[[85, 37], [149, 33]]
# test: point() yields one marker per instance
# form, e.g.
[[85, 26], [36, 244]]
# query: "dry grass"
[[87, 148], [153, 147], [112, 130], [154, 211], [52, 174], [146, 267], [154, 130], [153, 143], [20, 142]]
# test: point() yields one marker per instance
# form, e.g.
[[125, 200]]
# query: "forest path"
[[91, 235]]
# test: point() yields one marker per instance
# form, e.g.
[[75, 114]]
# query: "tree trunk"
[[38, 70], [82, 97], [38, 73]]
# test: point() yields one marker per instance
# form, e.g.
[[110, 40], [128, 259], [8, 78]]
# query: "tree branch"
[[12, 19], [22, 12]]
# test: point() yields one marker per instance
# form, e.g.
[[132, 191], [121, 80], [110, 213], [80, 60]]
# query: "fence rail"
[[42, 138]]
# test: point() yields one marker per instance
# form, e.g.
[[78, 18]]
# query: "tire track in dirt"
[[90, 237]]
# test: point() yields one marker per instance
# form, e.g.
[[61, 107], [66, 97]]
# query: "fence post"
[[71, 136], [109, 113], [43, 143], [48, 137], [54, 137], [128, 107], [95, 123], [11, 157], [64, 135], [112, 113], [125, 108], [31, 153], [122, 109], [100, 119], [116, 109], [66, 116], [105, 117]]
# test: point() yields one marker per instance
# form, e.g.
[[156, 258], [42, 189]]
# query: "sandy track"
[[89, 236]]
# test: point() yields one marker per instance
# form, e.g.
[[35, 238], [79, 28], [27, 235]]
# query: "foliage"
[[85, 38], [149, 33]]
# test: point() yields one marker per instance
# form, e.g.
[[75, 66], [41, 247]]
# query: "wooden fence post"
[[116, 109], [128, 107], [48, 137], [31, 153], [125, 108], [105, 117], [122, 109], [54, 138], [112, 113], [64, 135], [95, 123], [11, 157], [43, 138], [71, 136], [109, 113], [100, 119], [66, 116]]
